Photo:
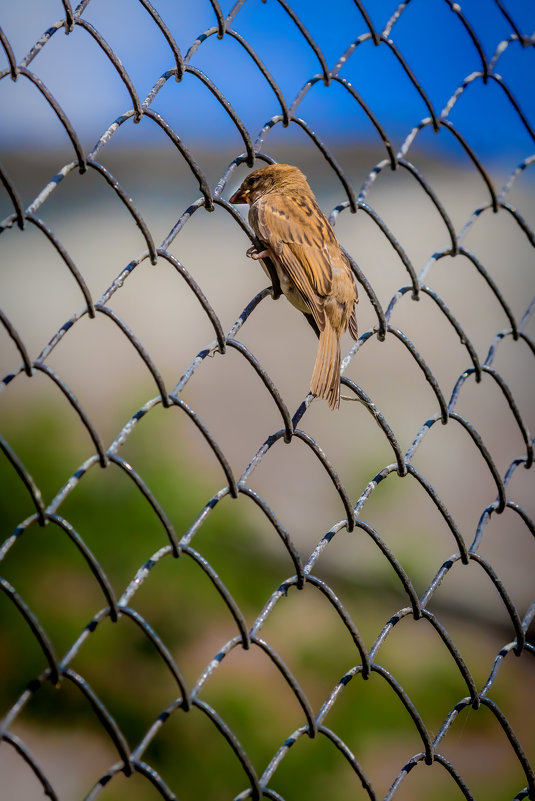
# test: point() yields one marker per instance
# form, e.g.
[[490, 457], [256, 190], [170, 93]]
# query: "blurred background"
[[101, 367]]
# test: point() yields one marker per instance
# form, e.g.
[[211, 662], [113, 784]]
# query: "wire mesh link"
[[466, 545]]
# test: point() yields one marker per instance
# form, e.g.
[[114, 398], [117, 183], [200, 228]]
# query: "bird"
[[311, 268]]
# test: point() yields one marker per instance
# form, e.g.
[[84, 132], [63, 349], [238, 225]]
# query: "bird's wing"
[[299, 235]]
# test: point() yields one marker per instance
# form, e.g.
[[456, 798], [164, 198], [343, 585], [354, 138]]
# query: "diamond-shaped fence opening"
[[214, 587]]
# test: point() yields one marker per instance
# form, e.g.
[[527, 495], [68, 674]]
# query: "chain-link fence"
[[232, 599]]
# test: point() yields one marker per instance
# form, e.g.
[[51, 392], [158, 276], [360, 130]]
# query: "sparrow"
[[313, 271]]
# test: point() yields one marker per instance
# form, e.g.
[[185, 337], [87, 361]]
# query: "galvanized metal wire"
[[465, 545]]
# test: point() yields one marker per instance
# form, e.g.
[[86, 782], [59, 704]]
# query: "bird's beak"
[[240, 196]]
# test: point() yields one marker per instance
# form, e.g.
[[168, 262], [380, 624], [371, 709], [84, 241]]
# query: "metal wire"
[[416, 285]]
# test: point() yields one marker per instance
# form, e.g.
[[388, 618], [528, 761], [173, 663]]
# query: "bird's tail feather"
[[325, 381]]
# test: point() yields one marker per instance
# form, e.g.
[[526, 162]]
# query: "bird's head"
[[273, 178]]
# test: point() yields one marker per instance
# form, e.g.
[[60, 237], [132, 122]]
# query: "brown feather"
[[325, 381]]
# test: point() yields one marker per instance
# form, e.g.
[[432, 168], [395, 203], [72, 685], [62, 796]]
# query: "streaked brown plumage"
[[312, 269]]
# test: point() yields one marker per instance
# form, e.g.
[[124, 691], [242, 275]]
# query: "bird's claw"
[[253, 253]]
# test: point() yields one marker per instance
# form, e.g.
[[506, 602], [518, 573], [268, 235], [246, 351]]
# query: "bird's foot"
[[253, 253]]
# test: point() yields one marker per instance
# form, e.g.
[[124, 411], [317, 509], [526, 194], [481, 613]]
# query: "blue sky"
[[429, 36]]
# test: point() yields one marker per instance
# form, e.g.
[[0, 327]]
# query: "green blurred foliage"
[[181, 604]]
